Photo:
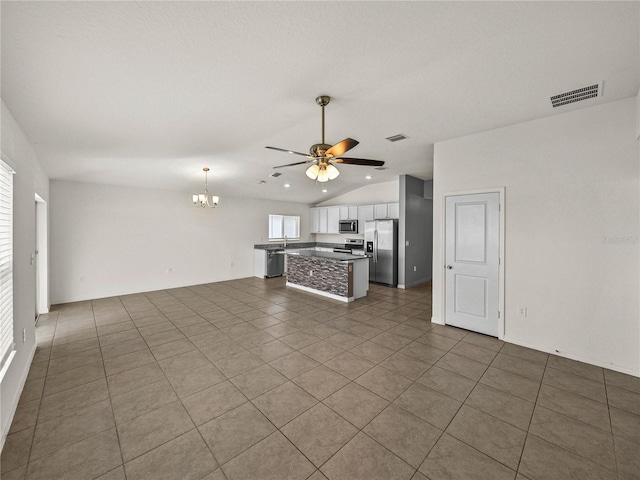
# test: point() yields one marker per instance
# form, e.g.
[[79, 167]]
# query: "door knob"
[[449, 267]]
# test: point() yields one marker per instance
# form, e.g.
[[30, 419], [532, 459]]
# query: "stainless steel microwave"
[[348, 226]]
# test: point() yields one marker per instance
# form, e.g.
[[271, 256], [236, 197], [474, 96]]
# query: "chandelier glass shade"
[[202, 199], [322, 172]]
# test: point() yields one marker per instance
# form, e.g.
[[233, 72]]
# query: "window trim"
[[7, 344], [282, 222]]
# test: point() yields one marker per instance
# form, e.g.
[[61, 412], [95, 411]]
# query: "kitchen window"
[[281, 226]]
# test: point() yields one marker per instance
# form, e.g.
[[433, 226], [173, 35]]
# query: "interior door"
[[472, 243]]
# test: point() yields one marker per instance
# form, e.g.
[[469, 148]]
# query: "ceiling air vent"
[[275, 174], [397, 138], [577, 95], [381, 168]]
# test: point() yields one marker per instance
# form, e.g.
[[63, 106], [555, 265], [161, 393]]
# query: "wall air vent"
[[397, 138], [275, 174], [577, 95]]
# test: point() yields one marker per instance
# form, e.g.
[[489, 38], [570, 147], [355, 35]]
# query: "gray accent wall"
[[415, 227]]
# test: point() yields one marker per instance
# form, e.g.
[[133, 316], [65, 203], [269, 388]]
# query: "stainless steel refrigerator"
[[381, 241]]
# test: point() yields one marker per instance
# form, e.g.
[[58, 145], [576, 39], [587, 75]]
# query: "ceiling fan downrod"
[[323, 100]]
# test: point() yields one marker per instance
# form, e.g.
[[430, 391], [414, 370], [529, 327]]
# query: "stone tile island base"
[[340, 280]]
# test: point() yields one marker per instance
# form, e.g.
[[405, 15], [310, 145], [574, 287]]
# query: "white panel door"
[[472, 243]]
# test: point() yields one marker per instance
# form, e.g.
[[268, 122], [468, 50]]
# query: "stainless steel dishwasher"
[[275, 263]]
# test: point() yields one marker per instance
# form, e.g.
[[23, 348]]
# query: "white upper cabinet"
[[348, 212], [386, 210], [327, 219], [393, 210], [365, 213], [314, 220], [322, 220], [380, 211], [333, 219]]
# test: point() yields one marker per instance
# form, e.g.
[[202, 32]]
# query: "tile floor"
[[248, 379]]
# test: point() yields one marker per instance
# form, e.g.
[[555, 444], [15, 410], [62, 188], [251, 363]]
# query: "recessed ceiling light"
[[286, 185], [324, 190], [368, 177], [262, 182]]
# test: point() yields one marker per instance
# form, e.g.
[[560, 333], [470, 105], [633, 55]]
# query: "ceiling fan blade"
[[341, 148], [358, 161], [289, 151], [292, 164]]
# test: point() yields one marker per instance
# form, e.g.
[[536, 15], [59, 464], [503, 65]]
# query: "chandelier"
[[322, 172], [202, 199]]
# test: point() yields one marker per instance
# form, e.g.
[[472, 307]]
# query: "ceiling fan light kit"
[[323, 156], [202, 199]]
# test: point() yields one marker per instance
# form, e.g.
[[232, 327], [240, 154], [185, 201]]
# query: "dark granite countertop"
[[295, 245], [330, 256]]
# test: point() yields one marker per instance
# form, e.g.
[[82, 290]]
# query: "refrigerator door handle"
[[375, 246]]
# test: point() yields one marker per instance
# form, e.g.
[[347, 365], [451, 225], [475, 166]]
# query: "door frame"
[[501, 238], [42, 257]]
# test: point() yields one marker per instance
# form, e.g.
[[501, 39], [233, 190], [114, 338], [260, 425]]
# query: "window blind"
[[6, 262]]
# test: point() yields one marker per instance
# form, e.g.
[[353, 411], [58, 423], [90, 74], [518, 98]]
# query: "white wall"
[[572, 227], [109, 240], [29, 180], [385, 192]]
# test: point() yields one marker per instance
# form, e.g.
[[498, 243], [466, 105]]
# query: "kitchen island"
[[340, 276]]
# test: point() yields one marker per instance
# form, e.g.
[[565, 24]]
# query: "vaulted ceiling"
[[147, 93]]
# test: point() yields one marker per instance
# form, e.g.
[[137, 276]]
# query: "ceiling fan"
[[323, 157]]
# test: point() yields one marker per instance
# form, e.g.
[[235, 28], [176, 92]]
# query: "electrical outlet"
[[522, 311], [169, 270], [406, 243], [311, 273], [415, 268]]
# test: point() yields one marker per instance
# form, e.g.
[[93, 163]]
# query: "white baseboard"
[[14, 401], [579, 358]]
